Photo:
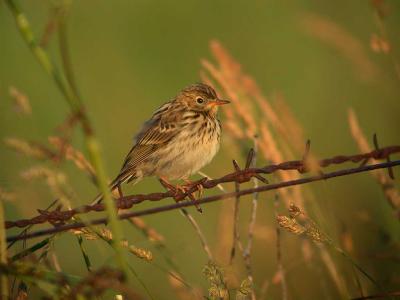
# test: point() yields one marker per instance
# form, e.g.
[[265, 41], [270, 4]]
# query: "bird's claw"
[[193, 186], [183, 191]]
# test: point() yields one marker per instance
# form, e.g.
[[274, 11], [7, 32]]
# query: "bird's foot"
[[176, 189], [197, 184], [193, 186], [181, 191]]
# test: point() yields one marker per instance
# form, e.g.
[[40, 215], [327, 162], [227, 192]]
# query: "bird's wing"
[[155, 133]]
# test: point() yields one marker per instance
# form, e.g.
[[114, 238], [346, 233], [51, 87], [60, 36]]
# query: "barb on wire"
[[251, 161], [59, 217], [376, 144], [236, 235]]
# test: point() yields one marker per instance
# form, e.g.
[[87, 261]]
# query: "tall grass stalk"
[[3, 254], [76, 107]]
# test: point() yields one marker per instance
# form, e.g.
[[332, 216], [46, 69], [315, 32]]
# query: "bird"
[[182, 136]]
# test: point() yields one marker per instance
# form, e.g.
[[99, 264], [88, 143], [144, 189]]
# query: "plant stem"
[[199, 232], [3, 254], [76, 107], [32, 249], [84, 253], [359, 268]]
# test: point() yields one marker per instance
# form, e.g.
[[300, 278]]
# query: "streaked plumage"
[[180, 138]]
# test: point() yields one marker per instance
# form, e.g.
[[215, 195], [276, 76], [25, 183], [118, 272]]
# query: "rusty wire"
[[59, 217], [238, 176], [321, 176]]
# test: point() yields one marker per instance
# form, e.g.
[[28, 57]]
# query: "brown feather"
[[156, 133]]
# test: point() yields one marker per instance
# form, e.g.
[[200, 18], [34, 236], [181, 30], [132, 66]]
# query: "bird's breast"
[[193, 148], [202, 146]]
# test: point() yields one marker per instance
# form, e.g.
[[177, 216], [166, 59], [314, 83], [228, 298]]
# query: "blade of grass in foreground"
[[78, 109], [32, 249], [84, 253]]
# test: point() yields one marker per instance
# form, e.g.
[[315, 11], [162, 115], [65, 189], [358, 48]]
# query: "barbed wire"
[[58, 217], [321, 176]]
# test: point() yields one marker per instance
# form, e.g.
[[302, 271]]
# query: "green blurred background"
[[131, 56]]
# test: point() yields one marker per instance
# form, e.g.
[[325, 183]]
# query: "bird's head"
[[200, 97]]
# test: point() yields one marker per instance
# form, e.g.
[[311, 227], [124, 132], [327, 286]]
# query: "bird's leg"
[[120, 193], [182, 188], [170, 186], [200, 188]]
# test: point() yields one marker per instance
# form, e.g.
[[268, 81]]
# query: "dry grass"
[[254, 120], [387, 184], [340, 39], [277, 142], [20, 101]]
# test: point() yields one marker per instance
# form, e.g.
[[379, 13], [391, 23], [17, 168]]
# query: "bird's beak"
[[217, 102]]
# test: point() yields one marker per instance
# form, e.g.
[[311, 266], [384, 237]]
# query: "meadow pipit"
[[180, 138]]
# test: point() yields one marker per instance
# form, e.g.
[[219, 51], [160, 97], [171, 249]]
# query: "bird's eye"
[[199, 100]]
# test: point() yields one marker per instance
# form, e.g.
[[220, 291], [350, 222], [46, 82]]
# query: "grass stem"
[[76, 107], [3, 254]]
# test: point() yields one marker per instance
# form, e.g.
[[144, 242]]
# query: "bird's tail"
[[113, 185]]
